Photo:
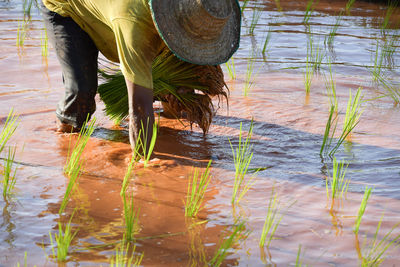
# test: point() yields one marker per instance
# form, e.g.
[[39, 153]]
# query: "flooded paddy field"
[[268, 91]]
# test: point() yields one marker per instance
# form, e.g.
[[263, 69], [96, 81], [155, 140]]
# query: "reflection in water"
[[7, 224]]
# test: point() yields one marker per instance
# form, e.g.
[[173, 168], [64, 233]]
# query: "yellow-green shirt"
[[123, 30]]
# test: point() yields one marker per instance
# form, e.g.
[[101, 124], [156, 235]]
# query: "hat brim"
[[189, 48]]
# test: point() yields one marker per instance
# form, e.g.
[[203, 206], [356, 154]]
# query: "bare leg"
[[140, 112]]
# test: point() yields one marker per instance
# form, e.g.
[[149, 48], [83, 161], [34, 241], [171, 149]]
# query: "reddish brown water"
[[288, 129]]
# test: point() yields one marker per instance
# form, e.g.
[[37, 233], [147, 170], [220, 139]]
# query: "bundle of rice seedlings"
[[185, 89]]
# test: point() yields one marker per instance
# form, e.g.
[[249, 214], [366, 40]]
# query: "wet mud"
[[288, 130]]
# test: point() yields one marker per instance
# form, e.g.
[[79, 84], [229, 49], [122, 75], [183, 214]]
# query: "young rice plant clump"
[[9, 178], [8, 129], [74, 158], [63, 240], [197, 187], [122, 258], [272, 220], [337, 186], [361, 211], [131, 216], [242, 156], [374, 251]]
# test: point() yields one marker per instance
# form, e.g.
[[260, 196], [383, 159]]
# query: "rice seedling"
[[316, 55], [127, 175], [74, 158], [361, 210], [309, 10], [22, 32], [272, 221], [351, 119], [393, 90], [330, 130], [330, 85], [349, 4], [266, 41], [200, 83], [230, 66], [239, 233], [308, 75], [375, 250], [242, 156], [122, 258], [331, 37], [9, 178], [25, 261], [254, 19], [73, 178], [389, 48], [131, 216], [27, 7], [197, 187], [143, 148], [250, 77], [63, 240], [9, 128], [299, 261], [391, 7], [378, 63], [337, 185], [44, 40], [244, 5]]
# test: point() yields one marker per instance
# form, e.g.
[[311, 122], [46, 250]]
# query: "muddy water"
[[288, 129]]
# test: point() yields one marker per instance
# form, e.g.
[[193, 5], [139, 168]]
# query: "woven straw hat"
[[202, 32]]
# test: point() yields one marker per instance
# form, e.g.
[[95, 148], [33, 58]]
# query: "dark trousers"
[[77, 55]]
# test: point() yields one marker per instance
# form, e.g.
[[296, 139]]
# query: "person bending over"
[[132, 33]]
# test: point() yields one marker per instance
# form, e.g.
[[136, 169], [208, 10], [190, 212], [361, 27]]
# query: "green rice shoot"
[[308, 75], [330, 130], [242, 156], [254, 19], [230, 67], [392, 5], [22, 32], [272, 220], [373, 252], [9, 177], [267, 41], [331, 37], [349, 5], [63, 240], [74, 158], [197, 187], [127, 176], [71, 187], [309, 10], [141, 147], [239, 233], [299, 260], [131, 215], [392, 90], [44, 43], [8, 130], [249, 78], [316, 53], [337, 185], [122, 257], [367, 194], [330, 85], [351, 120]]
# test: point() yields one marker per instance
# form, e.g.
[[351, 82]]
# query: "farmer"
[[133, 32]]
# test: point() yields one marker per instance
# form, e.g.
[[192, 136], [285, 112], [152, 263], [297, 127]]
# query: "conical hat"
[[202, 32]]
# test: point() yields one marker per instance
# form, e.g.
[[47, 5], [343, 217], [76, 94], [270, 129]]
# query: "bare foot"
[[66, 128]]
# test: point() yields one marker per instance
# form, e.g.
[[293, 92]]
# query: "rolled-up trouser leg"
[[77, 55]]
